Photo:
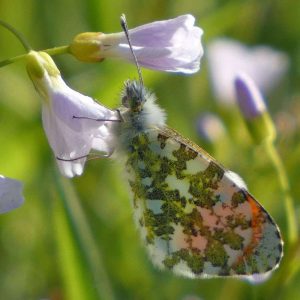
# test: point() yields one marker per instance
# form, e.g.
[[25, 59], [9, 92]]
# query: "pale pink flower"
[[171, 45], [74, 123]]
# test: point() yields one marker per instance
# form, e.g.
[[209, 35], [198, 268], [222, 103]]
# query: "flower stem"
[[12, 60], [57, 50], [50, 51], [17, 34], [285, 188]]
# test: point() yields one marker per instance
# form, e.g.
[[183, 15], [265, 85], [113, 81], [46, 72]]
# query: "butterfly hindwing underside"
[[194, 218]]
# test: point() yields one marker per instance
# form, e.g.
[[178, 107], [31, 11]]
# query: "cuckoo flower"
[[10, 194], [73, 123], [172, 45], [227, 57]]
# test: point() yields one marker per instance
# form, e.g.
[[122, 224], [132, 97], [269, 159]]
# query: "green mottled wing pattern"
[[194, 218]]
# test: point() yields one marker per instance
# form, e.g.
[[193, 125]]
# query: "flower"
[[253, 108], [74, 123], [172, 45], [10, 194], [227, 57]]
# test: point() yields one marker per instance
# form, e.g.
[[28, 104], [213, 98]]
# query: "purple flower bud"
[[249, 98], [253, 108], [172, 45]]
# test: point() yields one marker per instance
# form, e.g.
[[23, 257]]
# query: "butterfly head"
[[134, 95]]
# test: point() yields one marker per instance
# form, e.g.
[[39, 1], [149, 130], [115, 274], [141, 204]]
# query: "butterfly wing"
[[194, 216]]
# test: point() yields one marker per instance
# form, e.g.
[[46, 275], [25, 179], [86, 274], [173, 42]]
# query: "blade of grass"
[[76, 284], [82, 237]]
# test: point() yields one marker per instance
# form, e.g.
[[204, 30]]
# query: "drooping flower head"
[[68, 116], [227, 58], [172, 45]]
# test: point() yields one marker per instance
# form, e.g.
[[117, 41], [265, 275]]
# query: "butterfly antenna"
[[125, 29]]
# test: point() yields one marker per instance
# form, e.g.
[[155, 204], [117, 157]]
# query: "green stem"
[[12, 60], [17, 34], [285, 187], [57, 50], [51, 51]]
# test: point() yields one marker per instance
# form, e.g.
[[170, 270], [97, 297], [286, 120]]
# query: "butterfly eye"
[[125, 101]]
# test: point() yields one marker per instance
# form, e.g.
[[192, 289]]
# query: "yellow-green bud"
[[86, 46], [40, 62], [41, 67]]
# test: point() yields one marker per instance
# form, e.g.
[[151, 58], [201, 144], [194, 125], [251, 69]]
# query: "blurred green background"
[[62, 246]]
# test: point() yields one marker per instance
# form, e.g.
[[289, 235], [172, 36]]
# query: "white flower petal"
[[172, 45], [71, 120], [10, 194], [162, 33], [73, 138], [227, 58]]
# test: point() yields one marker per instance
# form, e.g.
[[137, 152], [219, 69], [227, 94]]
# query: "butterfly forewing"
[[195, 219]]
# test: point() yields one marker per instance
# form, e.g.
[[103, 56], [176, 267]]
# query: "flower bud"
[[253, 109], [41, 67], [88, 46]]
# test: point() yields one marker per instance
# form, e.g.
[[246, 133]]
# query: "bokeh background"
[[76, 239]]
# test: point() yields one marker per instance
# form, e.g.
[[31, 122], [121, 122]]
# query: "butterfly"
[[196, 218]]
